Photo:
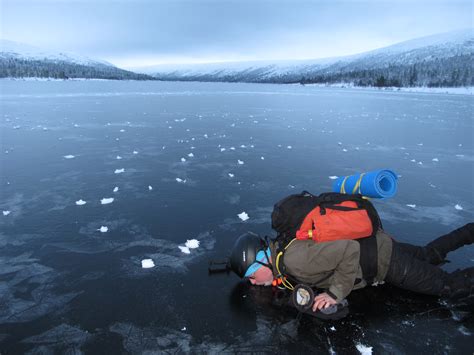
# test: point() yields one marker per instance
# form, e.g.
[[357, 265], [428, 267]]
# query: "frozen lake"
[[160, 163]]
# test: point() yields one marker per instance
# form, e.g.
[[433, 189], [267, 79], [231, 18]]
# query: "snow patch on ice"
[[106, 201], [192, 243], [184, 249], [363, 349], [147, 263], [243, 216]]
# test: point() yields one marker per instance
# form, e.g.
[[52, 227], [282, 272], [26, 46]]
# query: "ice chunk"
[[222, 149], [6, 213], [150, 187], [230, 175], [420, 144], [232, 148], [289, 147], [135, 152], [183, 160], [420, 163], [243, 216], [205, 135], [103, 229], [363, 349], [240, 162], [344, 150], [185, 250], [122, 130], [190, 155], [333, 328], [80, 202], [262, 158], [435, 159], [119, 171], [118, 157], [333, 177], [413, 161], [183, 329], [106, 201], [69, 156], [147, 263], [192, 243], [411, 205], [181, 180], [458, 207], [115, 188]]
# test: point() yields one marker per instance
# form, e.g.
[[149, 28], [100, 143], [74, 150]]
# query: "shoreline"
[[469, 90]]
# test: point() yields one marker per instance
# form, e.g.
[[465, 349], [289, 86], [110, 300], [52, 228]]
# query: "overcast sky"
[[132, 33]]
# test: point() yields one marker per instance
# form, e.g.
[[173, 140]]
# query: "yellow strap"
[[310, 233], [343, 185], [285, 282], [357, 185]]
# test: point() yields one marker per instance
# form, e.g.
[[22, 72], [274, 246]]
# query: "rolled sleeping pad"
[[377, 184]]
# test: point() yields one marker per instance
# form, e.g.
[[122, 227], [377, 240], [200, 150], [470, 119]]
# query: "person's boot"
[[437, 250], [460, 284]]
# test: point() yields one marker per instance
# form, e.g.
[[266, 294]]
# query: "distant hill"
[[19, 60], [439, 60]]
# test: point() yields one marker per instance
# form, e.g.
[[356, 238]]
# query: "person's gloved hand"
[[323, 300]]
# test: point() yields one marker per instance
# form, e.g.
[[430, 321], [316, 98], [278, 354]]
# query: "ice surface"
[[103, 229], [69, 156], [107, 200], [192, 243], [147, 263], [243, 216], [119, 171], [6, 213], [80, 202]]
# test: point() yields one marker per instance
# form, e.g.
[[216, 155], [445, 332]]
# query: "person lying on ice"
[[340, 266]]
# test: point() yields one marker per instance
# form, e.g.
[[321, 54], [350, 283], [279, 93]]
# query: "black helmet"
[[244, 252]]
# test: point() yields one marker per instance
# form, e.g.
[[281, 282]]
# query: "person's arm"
[[341, 258]]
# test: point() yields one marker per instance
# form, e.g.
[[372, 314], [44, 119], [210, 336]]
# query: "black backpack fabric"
[[288, 215]]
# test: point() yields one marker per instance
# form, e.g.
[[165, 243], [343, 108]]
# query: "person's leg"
[[436, 251], [412, 274]]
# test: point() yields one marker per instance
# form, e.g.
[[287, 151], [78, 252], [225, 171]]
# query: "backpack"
[[328, 217]]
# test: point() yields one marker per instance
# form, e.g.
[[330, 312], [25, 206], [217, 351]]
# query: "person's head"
[[250, 257]]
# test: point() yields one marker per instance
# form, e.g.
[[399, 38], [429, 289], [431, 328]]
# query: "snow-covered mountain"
[[443, 59], [23, 60]]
